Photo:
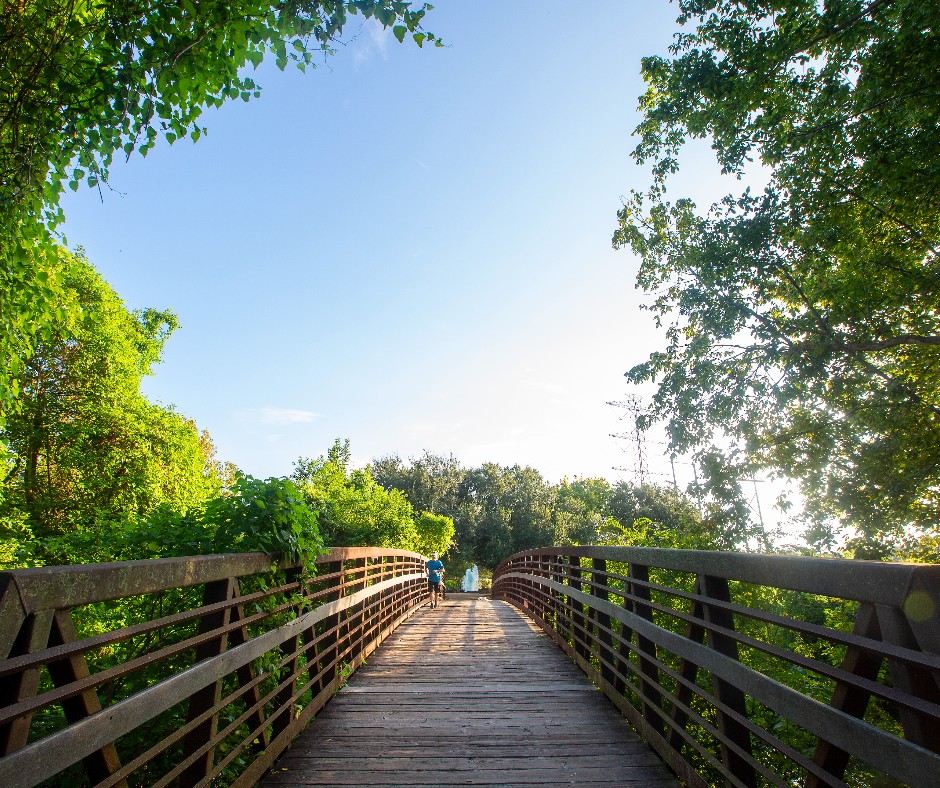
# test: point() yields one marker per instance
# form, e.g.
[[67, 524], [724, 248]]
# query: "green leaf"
[[399, 32]]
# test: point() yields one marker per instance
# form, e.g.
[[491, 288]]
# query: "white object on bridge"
[[471, 579]]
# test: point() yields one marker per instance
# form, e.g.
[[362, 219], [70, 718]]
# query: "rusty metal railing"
[[750, 670], [203, 673]]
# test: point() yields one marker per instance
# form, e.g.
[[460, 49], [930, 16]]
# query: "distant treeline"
[[498, 511]]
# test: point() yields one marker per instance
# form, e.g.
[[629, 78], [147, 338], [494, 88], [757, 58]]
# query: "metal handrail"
[[210, 690], [706, 654]]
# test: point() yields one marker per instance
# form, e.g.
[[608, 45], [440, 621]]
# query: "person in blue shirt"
[[435, 578]]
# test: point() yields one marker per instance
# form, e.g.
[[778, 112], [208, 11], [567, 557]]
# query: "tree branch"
[[885, 344]]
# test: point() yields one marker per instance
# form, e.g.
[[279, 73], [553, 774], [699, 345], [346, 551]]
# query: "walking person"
[[435, 569]]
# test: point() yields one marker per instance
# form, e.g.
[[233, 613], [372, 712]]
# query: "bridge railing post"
[[646, 648], [329, 650], [207, 698], [30, 636], [623, 664], [556, 573], [104, 762], [599, 589], [728, 694], [578, 622], [289, 650]]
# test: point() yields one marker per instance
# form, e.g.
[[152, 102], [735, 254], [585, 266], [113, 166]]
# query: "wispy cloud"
[[374, 43], [271, 415]]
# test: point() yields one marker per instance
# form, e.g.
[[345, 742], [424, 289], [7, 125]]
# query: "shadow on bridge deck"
[[469, 694]]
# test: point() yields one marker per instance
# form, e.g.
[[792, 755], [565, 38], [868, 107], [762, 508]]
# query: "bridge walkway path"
[[469, 694]]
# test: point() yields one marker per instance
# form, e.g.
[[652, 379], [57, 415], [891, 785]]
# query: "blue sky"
[[407, 248]]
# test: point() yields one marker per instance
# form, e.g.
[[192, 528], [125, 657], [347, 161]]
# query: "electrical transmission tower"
[[632, 408]]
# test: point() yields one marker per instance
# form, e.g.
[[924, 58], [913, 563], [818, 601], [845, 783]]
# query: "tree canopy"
[[803, 321], [84, 82], [500, 510], [85, 445], [354, 509]]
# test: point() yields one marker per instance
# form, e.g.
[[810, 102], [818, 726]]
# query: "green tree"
[[86, 445], [581, 511], [504, 510], [653, 515], [435, 533], [431, 481], [352, 508], [85, 81], [803, 320]]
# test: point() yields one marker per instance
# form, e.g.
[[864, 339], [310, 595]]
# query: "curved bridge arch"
[[720, 660], [230, 656], [707, 654]]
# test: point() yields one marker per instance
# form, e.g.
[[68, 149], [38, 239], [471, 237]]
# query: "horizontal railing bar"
[[284, 707], [48, 756], [865, 581], [58, 587], [229, 699], [335, 554], [178, 734], [261, 703], [835, 636], [276, 746], [891, 755], [57, 695], [814, 665], [221, 735], [53, 653], [764, 735], [598, 679]]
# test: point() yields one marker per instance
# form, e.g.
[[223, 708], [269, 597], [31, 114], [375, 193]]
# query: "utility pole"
[[633, 406]]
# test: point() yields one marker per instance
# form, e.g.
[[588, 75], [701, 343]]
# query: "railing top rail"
[[58, 587], [78, 684], [865, 581], [659, 628], [351, 553]]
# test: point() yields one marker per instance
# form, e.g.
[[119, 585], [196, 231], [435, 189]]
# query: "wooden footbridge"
[[469, 694], [587, 666]]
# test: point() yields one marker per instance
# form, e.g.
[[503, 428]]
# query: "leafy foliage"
[[803, 320], [435, 533], [271, 516], [268, 515], [354, 509], [655, 516], [498, 511], [85, 445]]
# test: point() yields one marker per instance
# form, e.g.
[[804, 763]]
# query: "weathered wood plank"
[[469, 694]]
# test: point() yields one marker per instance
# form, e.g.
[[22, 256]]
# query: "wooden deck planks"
[[469, 694]]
